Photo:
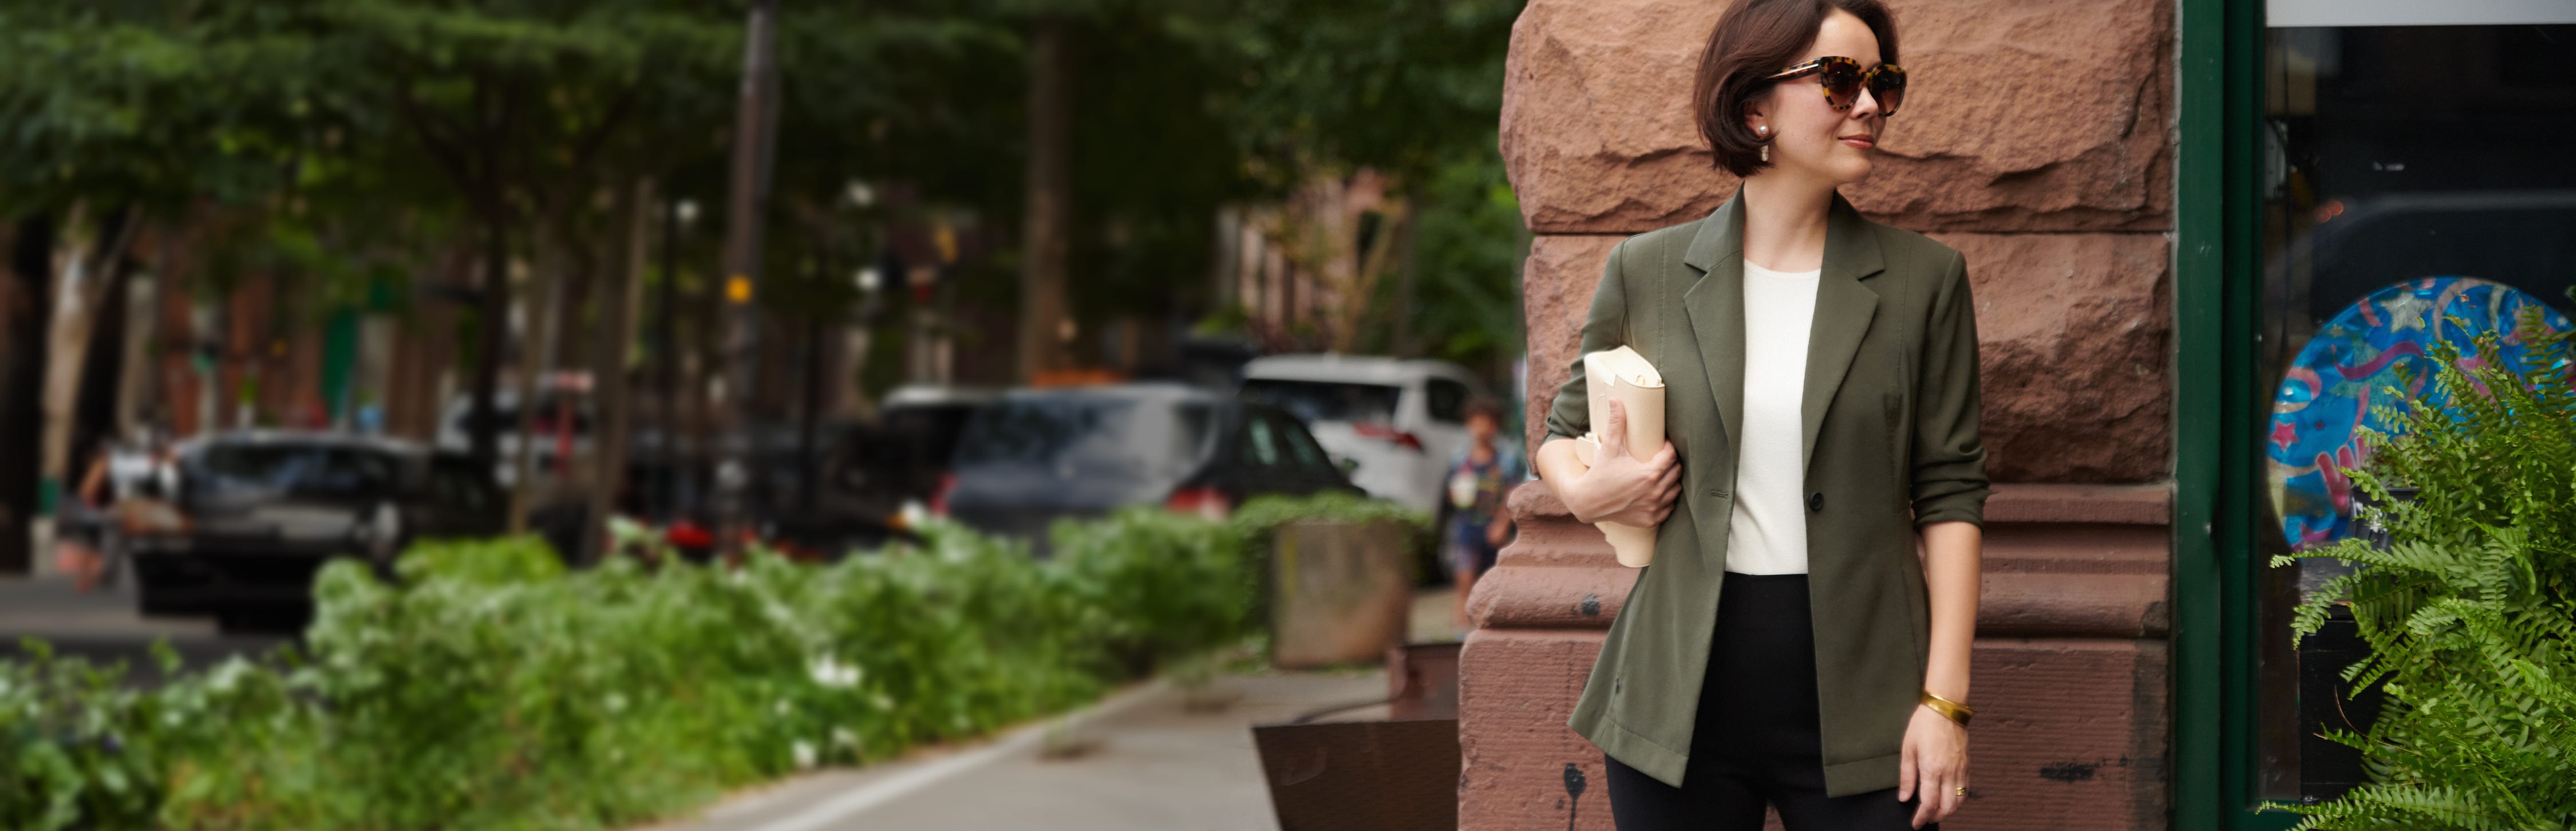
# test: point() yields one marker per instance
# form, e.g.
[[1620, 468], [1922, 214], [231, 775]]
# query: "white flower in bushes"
[[830, 672], [804, 753]]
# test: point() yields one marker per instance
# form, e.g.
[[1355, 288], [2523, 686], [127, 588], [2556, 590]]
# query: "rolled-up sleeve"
[[1605, 327], [1949, 455]]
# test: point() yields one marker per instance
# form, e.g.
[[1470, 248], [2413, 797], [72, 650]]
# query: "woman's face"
[[1809, 138]]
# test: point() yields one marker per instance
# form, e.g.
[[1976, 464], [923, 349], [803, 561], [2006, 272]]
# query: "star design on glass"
[[2406, 311]]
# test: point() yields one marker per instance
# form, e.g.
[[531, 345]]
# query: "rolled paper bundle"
[[1625, 375]]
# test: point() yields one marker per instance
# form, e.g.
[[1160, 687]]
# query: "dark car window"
[[1448, 401], [1302, 445], [1079, 436], [300, 470], [456, 483], [1325, 400], [1260, 442], [911, 436]]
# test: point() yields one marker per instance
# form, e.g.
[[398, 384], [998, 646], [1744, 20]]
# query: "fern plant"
[[2470, 610]]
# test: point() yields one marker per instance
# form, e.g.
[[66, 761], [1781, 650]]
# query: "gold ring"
[[1961, 791]]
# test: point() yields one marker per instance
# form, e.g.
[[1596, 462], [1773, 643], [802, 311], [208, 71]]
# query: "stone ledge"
[[2048, 572], [2012, 502], [2072, 605], [2147, 504], [1525, 596]]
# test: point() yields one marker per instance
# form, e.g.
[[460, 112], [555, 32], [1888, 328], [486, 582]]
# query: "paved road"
[[1150, 758], [104, 627]]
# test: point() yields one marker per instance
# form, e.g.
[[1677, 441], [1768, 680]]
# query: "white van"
[[1398, 421]]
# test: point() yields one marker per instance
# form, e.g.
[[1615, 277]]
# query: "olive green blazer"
[[1890, 443]]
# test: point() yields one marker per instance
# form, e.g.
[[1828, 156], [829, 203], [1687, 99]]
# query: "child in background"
[[1478, 478]]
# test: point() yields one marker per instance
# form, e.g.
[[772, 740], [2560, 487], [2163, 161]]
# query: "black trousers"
[[1756, 740]]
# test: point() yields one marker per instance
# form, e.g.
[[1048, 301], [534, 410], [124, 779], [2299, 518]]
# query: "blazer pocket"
[[1900, 444]]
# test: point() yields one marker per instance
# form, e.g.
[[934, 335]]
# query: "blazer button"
[[1816, 502]]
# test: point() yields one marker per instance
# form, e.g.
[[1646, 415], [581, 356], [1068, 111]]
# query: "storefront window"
[[2420, 189]]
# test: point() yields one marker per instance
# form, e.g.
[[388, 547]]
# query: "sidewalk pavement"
[[1153, 756], [105, 626]]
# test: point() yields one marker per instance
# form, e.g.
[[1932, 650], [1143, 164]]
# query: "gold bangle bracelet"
[[1949, 709]]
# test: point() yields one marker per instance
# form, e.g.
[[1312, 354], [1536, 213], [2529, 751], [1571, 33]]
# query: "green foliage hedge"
[[2470, 613], [492, 689]]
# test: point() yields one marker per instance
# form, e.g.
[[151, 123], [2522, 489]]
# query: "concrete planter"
[[1339, 593]]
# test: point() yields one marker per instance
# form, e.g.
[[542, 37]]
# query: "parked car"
[[673, 488], [261, 511], [1396, 422], [1040, 454], [905, 453]]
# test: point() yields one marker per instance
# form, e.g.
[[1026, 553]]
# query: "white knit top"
[[1768, 532]]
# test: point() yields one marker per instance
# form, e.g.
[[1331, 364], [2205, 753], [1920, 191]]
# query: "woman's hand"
[[1935, 765], [1622, 489]]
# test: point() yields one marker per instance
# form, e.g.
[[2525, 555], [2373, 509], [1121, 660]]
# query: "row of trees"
[[342, 147]]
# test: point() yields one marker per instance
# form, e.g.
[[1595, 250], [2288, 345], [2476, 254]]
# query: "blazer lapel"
[[1844, 308], [1715, 305]]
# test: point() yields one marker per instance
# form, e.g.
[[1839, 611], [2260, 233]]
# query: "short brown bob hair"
[[1753, 40]]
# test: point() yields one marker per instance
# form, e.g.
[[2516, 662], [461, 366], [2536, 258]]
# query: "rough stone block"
[[2020, 116], [2074, 342], [2070, 733], [1520, 767], [1556, 293]]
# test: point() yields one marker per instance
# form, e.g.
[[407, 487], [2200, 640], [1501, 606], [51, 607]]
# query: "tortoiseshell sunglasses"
[[1842, 79]]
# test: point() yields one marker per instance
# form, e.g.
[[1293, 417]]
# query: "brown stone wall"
[[2036, 140]]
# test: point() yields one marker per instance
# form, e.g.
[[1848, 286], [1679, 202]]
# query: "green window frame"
[[2217, 272]]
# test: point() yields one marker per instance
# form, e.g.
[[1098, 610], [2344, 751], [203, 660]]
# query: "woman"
[[1789, 645]]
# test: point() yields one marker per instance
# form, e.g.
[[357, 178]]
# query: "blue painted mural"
[[2326, 396]]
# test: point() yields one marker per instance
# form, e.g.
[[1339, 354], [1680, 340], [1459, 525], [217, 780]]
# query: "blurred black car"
[[1037, 455], [672, 487], [261, 511]]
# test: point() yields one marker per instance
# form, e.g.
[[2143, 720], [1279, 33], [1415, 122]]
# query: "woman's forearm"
[[1951, 551], [1558, 467]]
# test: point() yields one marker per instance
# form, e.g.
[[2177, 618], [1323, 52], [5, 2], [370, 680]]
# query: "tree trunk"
[[26, 303], [102, 368], [809, 467], [492, 315], [85, 285], [1046, 232], [536, 360], [620, 293], [1407, 276], [666, 359]]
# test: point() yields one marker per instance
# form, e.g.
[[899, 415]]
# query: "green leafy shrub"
[[493, 689], [2469, 612]]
